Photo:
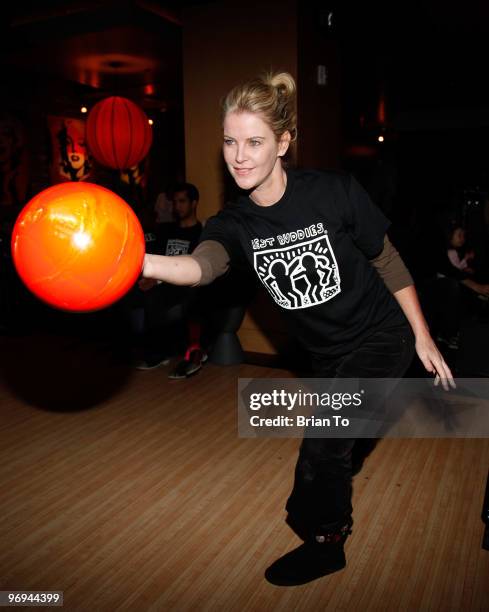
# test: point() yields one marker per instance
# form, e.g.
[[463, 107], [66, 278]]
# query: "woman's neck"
[[271, 190]]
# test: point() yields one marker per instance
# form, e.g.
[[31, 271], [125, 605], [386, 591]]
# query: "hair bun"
[[283, 83]]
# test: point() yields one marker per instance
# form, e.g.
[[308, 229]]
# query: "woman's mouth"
[[242, 171]]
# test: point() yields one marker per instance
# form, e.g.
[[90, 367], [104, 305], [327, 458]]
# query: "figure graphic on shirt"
[[177, 246], [301, 275], [314, 271], [279, 281]]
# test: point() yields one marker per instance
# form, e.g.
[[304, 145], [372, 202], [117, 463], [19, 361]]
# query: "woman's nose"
[[240, 154]]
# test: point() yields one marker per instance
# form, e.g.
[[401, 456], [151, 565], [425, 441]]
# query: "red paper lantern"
[[118, 133]]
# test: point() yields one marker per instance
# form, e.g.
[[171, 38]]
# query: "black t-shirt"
[[311, 250], [170, 239]]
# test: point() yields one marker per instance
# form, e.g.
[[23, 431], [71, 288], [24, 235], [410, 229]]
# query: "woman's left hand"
[[433, 361]]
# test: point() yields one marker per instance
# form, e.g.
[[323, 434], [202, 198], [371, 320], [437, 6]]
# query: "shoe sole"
[[186, 375], [153, 367]]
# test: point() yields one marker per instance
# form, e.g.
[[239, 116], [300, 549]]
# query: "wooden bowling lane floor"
[[129, 491]]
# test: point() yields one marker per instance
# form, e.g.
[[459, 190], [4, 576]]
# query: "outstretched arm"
[[175, 269], [209, 261]]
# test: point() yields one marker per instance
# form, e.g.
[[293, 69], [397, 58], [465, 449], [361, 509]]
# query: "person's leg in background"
[[319, 507], [126, 325], [163, 327], [195, 356]]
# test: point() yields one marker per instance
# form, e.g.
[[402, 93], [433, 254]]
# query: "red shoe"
[[193, 362]]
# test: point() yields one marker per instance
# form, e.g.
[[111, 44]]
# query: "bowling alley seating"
[[226, 301], [226, 348]]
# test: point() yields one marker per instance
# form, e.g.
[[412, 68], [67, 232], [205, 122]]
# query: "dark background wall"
[[411, 72]]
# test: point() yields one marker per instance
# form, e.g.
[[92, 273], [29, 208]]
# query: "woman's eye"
[[254, 143], [228, 141]]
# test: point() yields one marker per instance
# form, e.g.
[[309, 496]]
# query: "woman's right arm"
[[175, 269], [209, 261]]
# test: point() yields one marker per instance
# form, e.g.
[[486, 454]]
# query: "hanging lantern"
[[118, 133]]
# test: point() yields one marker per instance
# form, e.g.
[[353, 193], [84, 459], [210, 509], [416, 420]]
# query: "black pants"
[[320, 501], [157, 319]]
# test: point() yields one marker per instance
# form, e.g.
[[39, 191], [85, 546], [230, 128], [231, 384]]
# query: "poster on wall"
[[134, 184], [14, 161], [69, 154]]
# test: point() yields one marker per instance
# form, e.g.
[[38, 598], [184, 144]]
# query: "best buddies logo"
[[301, 275]]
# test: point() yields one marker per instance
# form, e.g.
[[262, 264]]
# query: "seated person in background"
[[164, 304], [453, 274], [456, 252]]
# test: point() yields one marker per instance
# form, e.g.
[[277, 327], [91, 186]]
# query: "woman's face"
[[251, 150]]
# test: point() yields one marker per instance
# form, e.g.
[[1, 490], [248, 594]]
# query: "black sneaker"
[[316, 558], [189, 366], [151, 363]]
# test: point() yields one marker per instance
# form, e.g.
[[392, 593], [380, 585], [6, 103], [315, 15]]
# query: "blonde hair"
[[272, 96]]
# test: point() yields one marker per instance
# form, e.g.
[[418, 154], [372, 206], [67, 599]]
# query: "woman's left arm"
[[400, 283], [426, 349], [365, 222]]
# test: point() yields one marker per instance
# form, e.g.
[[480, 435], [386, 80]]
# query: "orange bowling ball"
[[78, 246]]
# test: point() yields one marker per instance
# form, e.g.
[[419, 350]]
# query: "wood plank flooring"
[[129, 491]]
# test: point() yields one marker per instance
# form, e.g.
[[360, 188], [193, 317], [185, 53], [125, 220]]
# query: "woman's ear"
[[283, 143]]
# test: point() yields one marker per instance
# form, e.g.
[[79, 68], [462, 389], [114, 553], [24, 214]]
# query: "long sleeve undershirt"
[[214, 261]]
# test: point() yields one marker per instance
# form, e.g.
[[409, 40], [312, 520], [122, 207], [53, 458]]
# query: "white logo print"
[[176, 246], [300, 276]]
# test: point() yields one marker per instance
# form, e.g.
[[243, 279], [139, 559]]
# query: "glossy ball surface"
[[78, 246]]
